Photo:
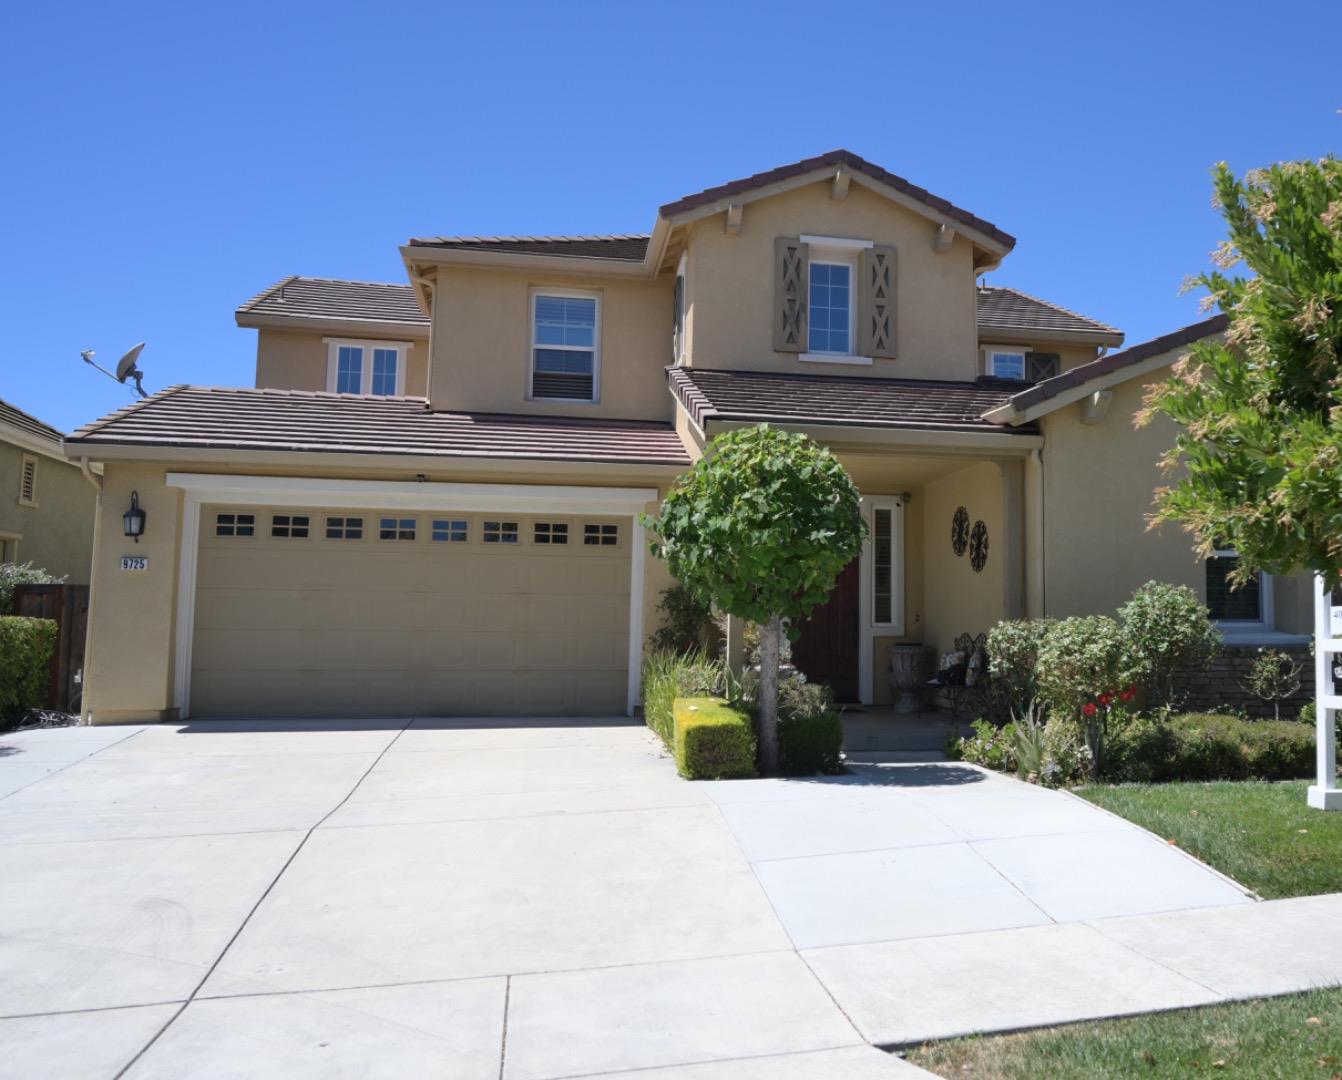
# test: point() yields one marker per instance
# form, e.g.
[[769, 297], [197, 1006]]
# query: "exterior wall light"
[[133, 519]]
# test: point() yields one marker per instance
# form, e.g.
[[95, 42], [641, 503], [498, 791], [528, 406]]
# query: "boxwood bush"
[[713, 740], [811, 744], [26, 646], [1208, 746]]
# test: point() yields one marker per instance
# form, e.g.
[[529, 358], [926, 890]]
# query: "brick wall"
[[1222, 684]]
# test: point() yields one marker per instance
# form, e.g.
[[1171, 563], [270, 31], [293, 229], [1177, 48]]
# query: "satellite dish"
[[125, 368]]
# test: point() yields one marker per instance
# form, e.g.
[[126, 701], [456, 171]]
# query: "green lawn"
[[1297, 1036], [1261, 834]]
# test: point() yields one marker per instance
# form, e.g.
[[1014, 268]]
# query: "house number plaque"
[[135, 562]]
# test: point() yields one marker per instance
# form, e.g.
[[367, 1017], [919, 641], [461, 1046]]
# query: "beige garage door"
[[309, 612]]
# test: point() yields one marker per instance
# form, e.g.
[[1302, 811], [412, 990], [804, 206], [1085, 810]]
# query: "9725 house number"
[[135, 562]]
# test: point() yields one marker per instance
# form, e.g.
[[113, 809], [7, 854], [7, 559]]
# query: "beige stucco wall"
[[730, 286], [957, 599], [131, 621], [57, 533], [1099, 481], [298, 360], [482, 345]]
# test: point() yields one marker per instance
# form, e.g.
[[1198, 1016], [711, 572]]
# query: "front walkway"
[[543, 900]]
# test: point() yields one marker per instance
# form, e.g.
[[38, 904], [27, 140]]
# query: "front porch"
[[875, 733]]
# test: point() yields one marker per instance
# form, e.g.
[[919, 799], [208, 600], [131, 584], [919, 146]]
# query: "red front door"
[[826, 650]]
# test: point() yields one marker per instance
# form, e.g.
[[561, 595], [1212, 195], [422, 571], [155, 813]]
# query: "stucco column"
[[1034, 536], [1013, 538]]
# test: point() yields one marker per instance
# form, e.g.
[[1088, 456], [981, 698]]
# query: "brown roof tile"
[[756, 397], [852, 161], [27, 423], [627, 248], [329, 298], [1106, 365], [299, 421], [1001, 308]]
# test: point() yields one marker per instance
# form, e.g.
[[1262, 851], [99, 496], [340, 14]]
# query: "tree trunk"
[[771, 636]]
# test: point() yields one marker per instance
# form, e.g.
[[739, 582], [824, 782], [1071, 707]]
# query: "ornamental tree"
[[1261, 412], [761, 527]]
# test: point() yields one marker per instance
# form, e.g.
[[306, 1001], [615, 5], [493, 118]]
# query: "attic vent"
[[1041, 365], [28, 481]]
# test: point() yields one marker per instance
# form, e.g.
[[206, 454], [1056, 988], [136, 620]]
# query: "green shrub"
[[989, 746], [12, 574], [811, 744], [26, 646], [713, 740], [668, 675], [1013, 663], [1209, 746], [1169, 632], [687, 622]]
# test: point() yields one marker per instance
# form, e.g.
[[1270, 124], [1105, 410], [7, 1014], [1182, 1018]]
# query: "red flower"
[[1105, 699], [1128, 694], [1089, 708]]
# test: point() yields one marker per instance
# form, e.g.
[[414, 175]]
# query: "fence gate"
[[1325, 794], [68, 607]]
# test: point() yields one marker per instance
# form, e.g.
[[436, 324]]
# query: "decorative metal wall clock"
[[978, 546], [960, 531]]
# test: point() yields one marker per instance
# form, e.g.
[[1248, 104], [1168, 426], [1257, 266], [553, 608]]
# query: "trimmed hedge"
[[26, 646], [1208, 746], [670, 675], [713, 741], [811, 744]]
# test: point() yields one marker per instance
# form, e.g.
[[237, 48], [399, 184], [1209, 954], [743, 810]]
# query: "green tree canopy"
[[1260, 446]]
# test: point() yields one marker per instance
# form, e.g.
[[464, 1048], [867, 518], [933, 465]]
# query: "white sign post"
[[1326, 794]]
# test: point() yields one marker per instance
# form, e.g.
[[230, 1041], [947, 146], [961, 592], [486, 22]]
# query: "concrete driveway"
[[535, 900]]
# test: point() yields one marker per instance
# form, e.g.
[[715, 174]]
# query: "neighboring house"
[[46, 506], [429, 502]]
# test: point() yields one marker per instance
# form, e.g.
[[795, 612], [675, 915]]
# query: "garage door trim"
[[231, 489]]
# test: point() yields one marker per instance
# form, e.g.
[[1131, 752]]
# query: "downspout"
[[1034, 535], [85, 717]]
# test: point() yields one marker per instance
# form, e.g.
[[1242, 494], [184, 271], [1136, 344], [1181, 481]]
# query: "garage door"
[[310, 612]]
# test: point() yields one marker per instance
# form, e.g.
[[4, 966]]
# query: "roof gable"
[[1009, 310]]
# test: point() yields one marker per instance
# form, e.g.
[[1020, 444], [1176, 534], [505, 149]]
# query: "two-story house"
[[429, 502]]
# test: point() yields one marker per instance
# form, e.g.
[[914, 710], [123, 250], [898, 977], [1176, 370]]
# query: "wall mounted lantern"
[[133, 519]]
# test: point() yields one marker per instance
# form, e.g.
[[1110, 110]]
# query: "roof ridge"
[[352, 281], [1055, 307], [825, 378], [519, 239]]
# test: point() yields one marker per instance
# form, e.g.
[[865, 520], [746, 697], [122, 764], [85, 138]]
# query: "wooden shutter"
[[876, 302], [791, 269]]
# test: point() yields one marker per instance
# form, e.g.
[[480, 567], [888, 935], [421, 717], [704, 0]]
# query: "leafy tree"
[[1171, 633], [1261, 412], [1274, 677], [761, 527]]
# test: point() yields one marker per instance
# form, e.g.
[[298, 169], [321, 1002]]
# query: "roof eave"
[[27, 440], [990, 245], [1024, 335], [252, 320]]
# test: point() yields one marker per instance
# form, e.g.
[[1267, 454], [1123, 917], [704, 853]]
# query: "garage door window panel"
[[289, 526], [500, 532], [235, 525], [402, 529], [344, 528], [550, 532], [601, 534], [450, 531]]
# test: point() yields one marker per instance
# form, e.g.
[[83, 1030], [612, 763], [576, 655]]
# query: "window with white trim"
[[344, 528], [368, 368], [550, 532], [565, 345], [601, 535], [450, 531], [390, 528], [499, 532], [831, 314], [1004, 363], [289, 526], [1245, 606], [235, 525], [28, 481]]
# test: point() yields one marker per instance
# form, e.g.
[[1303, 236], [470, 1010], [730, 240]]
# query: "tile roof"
[[754, 397], [1107, 365], [1001, 308], [199, 417], [27, 423], [328, 298], [629, 248], [834, 158]]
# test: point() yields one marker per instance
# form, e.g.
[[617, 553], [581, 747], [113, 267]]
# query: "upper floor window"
[[371, 368], [565, 345], [678, 314], [831, 308], [1005, 363]]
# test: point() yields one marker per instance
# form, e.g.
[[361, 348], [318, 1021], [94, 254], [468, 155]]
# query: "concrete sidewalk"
[[543, 900]]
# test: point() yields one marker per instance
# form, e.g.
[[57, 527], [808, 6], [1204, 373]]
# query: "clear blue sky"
[[166, 162]]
